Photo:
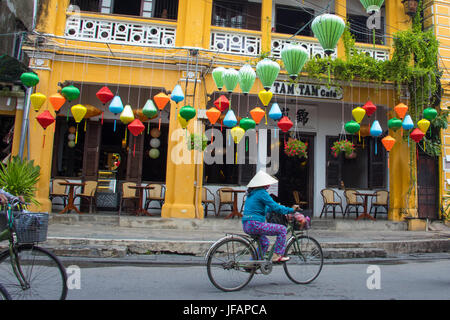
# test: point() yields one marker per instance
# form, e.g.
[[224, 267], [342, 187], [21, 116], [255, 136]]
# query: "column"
[[266, 25], [340, 8]]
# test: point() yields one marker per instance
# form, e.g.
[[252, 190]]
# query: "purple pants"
[[267, 229]]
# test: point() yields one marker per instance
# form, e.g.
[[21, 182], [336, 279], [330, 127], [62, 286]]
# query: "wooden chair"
[[59, 191], [89, 193], [225, 198], [297, 198], [352, 202], [381, 201], [243, 203], [127, 194], [330, 197], [207, 202], [155, 194]]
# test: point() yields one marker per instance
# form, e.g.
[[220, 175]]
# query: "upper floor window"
[[290, 20], [165, 9], [363, 24], [237, 14]]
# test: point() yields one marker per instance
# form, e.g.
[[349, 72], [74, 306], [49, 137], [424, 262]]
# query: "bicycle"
[[27, 271], [4, 295], [233, 260]]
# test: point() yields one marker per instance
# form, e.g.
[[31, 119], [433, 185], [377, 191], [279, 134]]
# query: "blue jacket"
[[259, 203]]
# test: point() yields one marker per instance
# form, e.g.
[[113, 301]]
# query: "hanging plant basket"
[[197, 142], [296, 148], [344, 146]]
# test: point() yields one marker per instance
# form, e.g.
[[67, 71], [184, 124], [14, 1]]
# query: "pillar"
[[340, 8], [266, 26]]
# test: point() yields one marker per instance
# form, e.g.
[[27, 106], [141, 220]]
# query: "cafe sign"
[[307, 90]]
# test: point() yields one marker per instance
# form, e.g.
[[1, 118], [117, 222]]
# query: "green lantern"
[[217, 75], [247, 78], [267, 71], [294, 58], [149, 109], [395, 124], [430, 113], [372, 5], [247, 123], [352, 127], [328, 28], [230, 79], [29, 79], [187, 112], [70, 93]]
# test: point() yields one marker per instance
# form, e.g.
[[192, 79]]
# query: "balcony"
[[378, 53], [120, 30], [312, 46], [235, 41]]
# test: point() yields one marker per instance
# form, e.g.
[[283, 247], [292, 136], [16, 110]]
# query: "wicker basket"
[[31, 227]]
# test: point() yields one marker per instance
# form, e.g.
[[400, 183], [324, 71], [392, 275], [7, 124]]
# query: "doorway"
[[427, 186]]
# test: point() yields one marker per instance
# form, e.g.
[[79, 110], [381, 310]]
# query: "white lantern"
[[71, 137], [155, 143]]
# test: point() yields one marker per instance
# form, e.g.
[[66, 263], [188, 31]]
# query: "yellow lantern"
[[358, 113], [423, 125], [78, 112], [237, 133], [265, 97], [182, 121], [37, 100], [127, 115]]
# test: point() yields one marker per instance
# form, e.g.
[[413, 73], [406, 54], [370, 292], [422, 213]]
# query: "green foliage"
[[342, 146], [19, 177], [197, 142]]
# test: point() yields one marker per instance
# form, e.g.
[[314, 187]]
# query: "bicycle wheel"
[[4, 295], [306, 259], [228, 264], [44, 273]]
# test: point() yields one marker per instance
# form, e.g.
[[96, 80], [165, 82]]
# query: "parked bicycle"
[[233, 260], [4, 295], [27, 271]]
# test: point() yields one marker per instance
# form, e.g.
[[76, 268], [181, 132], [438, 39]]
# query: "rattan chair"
[[208, 201], [297, 199], [89, 193], [155, 194], [330, 199], [225, 198], [352, 202], [127, 194], [59, 191], [381, 201]]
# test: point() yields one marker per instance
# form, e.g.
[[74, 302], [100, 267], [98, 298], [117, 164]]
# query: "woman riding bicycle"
[[257, 205]]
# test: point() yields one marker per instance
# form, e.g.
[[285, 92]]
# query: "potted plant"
[[197, 142], [343, 146], [19, 177], [296, 148]]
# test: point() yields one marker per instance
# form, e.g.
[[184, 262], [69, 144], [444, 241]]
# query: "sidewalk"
[[108, 236]]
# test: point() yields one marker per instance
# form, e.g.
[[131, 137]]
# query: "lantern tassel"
[[256, 137], [85, 124], [67, 115], [148, 127], [115, 125], [102, 117], [159, 125], [76, 135], [376, 147], [43, 142], [265, 115], [134, 149], [126, 134], [212, 136]]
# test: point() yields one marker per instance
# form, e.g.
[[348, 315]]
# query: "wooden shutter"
[[91, 149], [253, 16], [134, 158], [333, 170], [377, 165]]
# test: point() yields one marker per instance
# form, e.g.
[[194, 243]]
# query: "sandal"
[[280, 259]]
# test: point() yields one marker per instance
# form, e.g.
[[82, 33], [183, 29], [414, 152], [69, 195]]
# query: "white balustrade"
[[378, 54], [239, 43], [313, 47]]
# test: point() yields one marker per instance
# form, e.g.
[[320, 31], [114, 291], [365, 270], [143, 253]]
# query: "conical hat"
[[261, 179]]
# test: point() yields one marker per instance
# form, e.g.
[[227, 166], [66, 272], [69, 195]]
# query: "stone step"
[[353, 253], [89, 251]]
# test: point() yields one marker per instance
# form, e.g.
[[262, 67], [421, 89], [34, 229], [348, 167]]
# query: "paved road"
[[421, 279]]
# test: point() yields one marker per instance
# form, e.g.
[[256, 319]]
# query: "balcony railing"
[[236, 43], [120, 31], [313, 47], [376, 53]]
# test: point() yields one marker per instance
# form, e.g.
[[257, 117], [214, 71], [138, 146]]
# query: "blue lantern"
[[177, 94], [376, 131], [116, 105], [275, 112], [407, 123], [230, 119]]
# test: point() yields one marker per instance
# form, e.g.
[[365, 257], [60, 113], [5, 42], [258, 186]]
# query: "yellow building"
[[141, 48]]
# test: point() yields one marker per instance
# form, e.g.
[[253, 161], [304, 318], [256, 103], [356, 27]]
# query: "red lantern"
[[417, 135], [370, 108], [136, 127], [45, 119], [285, 124], [104, 95], [222, 103]]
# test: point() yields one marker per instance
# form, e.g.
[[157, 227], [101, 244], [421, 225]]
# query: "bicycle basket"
[[31, 227], [277, 218]]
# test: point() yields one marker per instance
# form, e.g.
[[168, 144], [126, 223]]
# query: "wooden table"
[[141, 189], [70, 206], [365, 214], [235, 212]]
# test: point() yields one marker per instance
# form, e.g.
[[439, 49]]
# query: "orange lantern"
[[213, 115], [161, 100], [388, 142], [401, 110], [92, 111], [57, 100], [257, 114]]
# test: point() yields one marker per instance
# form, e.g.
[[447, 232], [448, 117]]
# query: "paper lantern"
[[71, 93], [72, 129], [285, 124], [37, 100], [177, 94], [155, 133], [136, 127], [45, 119], [149, 109], [161, 100], [401, 110], [417, 135], [257, 114], [104, 95], [222, 103], [247, 123], [154, 153], [423, 125], [375, 130], [407, 123], [230, 119], [370, 108], [71, 136], [265, 97], [230, 79], [364, 130], [267, 71], [138, 114], [275, 112], [187, 112], [213, 115], [155, 143], [388, 142], [127, 115], [78, 112], [217, 75], [57, 101], [92, 111], [294, 58], [372, 5], [394, 124], [29, 79], [183, 122], [358, 113], [352, 127], [328, 28], [116, 105], [247, 77], [430, 113], [237, 133], [71, 144]]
